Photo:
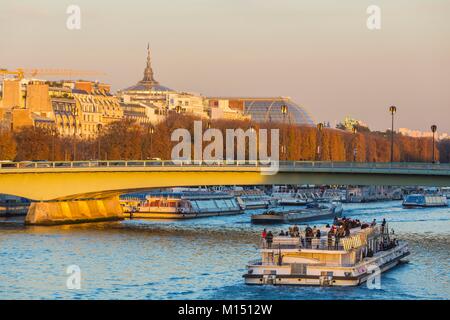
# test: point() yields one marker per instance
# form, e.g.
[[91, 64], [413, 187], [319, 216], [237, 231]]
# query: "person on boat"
[[291, 231], [337, 237], [308, 229], [374, 223], [318, 234], [347, 230], [263, 237], [296, 230], [309, 235], [302, 241], [330, 238], [269, 239], [335, 221], [383, 224], [341, 231]]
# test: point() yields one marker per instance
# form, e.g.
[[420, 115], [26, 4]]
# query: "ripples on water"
[[202, 259]]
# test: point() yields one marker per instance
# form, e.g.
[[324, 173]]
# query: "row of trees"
[[125, 140]]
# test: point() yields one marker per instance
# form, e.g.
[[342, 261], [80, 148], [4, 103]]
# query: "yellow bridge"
[[67, 192]]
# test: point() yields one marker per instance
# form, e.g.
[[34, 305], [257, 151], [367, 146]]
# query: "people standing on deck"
[[269, 239], [383, 224]]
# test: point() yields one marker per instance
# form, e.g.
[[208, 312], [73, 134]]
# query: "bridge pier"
[[74, 211]]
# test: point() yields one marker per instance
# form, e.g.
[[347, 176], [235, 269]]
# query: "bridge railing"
[[238, 163]]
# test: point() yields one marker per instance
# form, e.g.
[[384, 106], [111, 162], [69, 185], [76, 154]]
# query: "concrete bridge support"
[[74, 211]]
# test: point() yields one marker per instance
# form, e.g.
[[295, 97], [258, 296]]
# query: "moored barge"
[[313, 211], [424, 201], [185, 207]]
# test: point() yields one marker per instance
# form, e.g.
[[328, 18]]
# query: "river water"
[[202, 259]]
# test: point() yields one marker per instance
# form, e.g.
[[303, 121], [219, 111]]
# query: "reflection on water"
[[202, 259]]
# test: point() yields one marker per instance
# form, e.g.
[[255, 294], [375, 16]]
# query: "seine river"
[[202, 259]]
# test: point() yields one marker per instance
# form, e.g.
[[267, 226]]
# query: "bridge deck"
[[284, 166], [48, 181]]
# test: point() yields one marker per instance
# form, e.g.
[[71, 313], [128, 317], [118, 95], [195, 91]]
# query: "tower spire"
[[148, 72]]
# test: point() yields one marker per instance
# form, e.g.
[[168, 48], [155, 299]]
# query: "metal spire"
[[148, 72]]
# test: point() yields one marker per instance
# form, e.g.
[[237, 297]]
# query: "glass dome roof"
[[270, 110]]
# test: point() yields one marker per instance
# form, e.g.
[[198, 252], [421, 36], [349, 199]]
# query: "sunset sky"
[[319, 52]]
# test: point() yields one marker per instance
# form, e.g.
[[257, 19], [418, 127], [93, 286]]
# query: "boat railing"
[[306, 243]]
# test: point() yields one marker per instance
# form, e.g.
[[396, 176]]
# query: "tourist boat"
[[313, 211], [446, 192], [291, 198], [358, 258], [13, 206], [256, 201], [186, 207], [424, 200], [334, 195]]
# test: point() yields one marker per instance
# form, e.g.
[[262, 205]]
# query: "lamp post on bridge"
[[284, 111], [355, 148], [434, 129], [319, 146], [151, 131], [392, 110], [99, 129]]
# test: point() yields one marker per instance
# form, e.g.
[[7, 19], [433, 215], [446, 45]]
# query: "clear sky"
[[319, 52]]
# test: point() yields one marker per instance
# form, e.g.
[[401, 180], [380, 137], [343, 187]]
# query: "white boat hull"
[[341, 276]]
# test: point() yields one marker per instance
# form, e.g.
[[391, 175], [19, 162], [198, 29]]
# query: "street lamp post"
[[434, 129], [151, 131], [99, 127], [392, 110], [355, 148], [74, 158], [53, 143], [284, 110], [319, 146]]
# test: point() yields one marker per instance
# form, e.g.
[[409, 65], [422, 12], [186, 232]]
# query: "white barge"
[[185, 207], [365, 253], [313, 211], [424, 201]]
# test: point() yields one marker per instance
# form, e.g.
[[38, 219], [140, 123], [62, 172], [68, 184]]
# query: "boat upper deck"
[[334, 244]]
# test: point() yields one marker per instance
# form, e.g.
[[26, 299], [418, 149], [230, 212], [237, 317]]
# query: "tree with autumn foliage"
[[8, 146], [127, 140]]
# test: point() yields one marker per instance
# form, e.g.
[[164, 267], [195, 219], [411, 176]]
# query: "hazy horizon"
[[319, 53]]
